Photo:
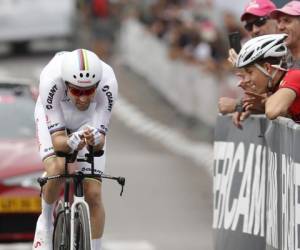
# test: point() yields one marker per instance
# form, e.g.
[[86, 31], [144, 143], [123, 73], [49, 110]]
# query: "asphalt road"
[[167, 204]]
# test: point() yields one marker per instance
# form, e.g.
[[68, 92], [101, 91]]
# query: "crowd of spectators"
[[271, 82], [189, 29]]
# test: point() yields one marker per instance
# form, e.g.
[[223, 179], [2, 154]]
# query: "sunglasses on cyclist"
[[80, 92], [257, 22]]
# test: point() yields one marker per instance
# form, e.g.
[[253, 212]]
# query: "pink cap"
[[292, 8], [258, 8]]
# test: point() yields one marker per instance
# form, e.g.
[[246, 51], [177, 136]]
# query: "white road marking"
[[127, 245], [16, 246], [107, 245], [200, 153]]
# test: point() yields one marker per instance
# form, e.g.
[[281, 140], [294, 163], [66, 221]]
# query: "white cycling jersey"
[[55, 111], [60, 111]]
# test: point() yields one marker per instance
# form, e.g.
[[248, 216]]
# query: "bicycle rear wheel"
[[82, 231], [61, 232]]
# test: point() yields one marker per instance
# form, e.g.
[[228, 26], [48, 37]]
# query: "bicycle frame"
[[78, 190], [78, 197]]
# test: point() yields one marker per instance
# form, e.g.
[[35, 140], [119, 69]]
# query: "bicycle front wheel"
[[82, 230], [61, 232]]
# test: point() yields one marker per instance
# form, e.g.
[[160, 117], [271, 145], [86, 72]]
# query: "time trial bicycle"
[[72, 228]]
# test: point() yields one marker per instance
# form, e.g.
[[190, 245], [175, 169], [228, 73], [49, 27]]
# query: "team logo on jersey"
[[88, 169], [109, 96], [50, 97], [48, 149], [53, 126]]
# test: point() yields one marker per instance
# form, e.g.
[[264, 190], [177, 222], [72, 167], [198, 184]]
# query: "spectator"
[[286, 100], [288, 18], [257, 18], [263, 61], [277, 88], [190, 34], [257, 23]]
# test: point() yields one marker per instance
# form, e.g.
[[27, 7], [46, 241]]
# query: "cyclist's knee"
[[92, 194], [54, 165]]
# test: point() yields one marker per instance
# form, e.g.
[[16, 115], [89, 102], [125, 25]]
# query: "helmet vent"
[[74, 76], [248, 56], [81, 75], [266, 43], [94, 76], [281, 48], [261, 48], [87, 74]]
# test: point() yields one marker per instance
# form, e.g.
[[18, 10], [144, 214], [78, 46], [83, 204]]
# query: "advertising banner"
[[256, 185]]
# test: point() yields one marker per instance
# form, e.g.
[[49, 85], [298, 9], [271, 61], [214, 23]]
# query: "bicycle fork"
[[78, 200]]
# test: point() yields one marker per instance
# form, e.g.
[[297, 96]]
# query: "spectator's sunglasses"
[[81, 92], [257, 22]]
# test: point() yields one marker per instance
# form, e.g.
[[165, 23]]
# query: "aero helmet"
[[82, 68], [261, 47]]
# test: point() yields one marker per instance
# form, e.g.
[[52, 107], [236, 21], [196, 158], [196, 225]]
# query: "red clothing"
[[292, 81], [100, 8]]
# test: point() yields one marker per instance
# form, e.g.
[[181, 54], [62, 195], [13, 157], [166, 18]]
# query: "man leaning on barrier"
[[257, 22], [263, 60]]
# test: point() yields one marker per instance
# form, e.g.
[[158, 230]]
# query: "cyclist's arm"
[[105, 99], [59, 141], [52, 90]]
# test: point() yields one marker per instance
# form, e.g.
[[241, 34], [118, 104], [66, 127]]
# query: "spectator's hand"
[[254, 102], [232, 57], [247, 85], [239, 117], [227, 105]]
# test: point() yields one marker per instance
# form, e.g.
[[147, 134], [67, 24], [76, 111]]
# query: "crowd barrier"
[[189, 89], [256, 185]]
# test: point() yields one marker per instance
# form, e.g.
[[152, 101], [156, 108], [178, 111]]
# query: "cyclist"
[[276, 87], [77, 93]]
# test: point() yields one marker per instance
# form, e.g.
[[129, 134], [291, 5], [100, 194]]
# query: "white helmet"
[[82, 68], [261, 47]]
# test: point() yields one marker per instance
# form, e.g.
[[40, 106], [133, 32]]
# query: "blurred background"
[[170, 59]]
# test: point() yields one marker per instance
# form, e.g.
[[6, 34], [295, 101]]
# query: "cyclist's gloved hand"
[[93, 136], [76, 141]]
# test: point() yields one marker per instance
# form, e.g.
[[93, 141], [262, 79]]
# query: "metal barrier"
[[190, 90], [257, 185]]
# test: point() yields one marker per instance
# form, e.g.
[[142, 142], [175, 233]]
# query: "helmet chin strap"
[[266, 73]]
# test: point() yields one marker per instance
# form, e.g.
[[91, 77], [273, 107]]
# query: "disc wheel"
[[61, 232], [82, 230]]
